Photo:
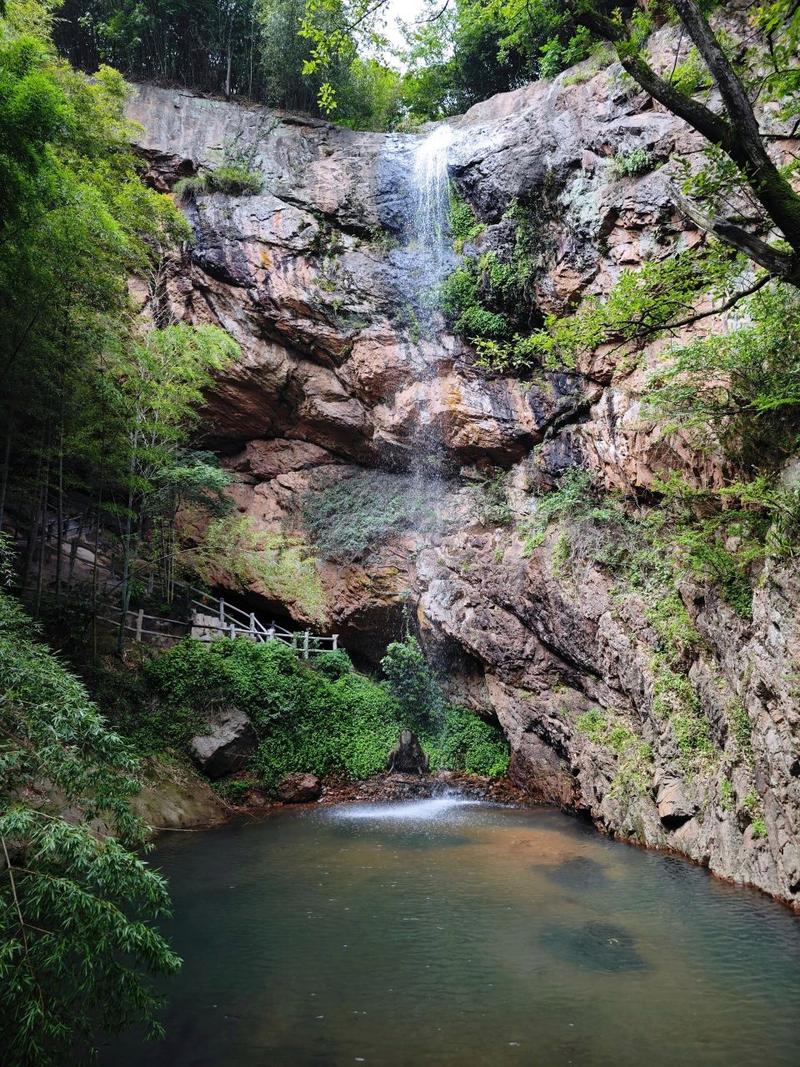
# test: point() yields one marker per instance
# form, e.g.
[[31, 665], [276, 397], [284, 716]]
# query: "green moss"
[[634, 775], [277, 564]]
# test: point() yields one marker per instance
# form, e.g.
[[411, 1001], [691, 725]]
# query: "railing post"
[[335, 642], [233, 631], [305, 644], [139, 621], [252, 626], [221, 612], [271, 633]]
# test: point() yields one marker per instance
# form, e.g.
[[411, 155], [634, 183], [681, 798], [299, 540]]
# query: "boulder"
[[299, 788], [407, 755], [674, 803], [227, 746]]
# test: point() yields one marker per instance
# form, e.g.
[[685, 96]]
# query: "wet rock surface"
[[407, 756], [336, 377]]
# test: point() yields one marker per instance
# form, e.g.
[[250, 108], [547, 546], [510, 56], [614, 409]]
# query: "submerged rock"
[[227, 746], [407, 755], [299, 788], [598, 946]]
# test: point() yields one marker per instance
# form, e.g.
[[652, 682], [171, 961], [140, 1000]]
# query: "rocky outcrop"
[[341, 373], [299, 788], [407, 756], [227, 746]]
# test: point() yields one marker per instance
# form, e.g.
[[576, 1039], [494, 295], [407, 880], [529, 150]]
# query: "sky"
[[407, 10]]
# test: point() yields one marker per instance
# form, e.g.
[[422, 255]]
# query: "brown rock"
[[299, 788]]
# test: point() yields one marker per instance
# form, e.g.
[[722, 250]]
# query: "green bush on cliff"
[[465, 226], [232, 179]]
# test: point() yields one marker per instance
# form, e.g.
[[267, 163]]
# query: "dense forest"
[[278, 52], [102, 398]]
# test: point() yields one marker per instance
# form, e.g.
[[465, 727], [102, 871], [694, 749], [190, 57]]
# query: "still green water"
[[446, 932]]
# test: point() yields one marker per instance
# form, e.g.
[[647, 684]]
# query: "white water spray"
[[431, 187], [432, 809]]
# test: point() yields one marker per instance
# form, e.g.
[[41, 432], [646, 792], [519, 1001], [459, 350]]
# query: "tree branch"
[[779, 264]]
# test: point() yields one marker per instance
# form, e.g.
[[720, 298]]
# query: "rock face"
[[315, 279], [231, 740], [407, 756], [299, 788]]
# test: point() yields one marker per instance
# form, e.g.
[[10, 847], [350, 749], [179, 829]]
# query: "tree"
[[736, 132], [160, 385], [76, 902]]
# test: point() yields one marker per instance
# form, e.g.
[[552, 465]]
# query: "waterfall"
[[431, 198]]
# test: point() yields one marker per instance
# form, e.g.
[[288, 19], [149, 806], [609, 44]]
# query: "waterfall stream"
[[432, 201]]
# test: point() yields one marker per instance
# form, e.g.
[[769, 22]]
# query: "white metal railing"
[[213, 618]]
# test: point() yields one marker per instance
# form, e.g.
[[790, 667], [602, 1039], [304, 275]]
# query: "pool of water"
[[450, 932]]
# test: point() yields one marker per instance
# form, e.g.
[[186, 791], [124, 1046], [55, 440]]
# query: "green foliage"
[[634, 775], [634, 162], [88, 392], [492, 505], [753, 807], [741, 729], [274, 563], [741, 389], [641, 307], [334, 664], [413, 684], [320, 715], [359, 511], [460, 299], [555, 56], [465, 226], [466, 743], [726, 796], [233, 180], [692, 75], [758, 827], [265, 681], [572, 500], [77, 902], [207, 45]]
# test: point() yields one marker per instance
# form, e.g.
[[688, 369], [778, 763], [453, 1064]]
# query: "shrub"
[[464, 225], [234, 180], [412, 683], [266, 681], [468, 743], [334, 664], [629, 164], [229, 178], [321, 715]]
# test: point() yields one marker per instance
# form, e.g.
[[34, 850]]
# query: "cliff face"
[[316, 279]]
